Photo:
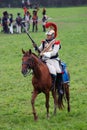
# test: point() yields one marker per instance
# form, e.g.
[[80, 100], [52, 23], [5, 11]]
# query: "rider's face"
[[49, 37]]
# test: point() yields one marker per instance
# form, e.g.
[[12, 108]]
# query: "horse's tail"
[[60, 90]]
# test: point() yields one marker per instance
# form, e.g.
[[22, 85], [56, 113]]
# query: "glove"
[[35, 46], [41, 54]]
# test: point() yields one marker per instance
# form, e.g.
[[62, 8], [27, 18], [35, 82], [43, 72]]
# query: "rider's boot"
[[59, 82], [53, 80]]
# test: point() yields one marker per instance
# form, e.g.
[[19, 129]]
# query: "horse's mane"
[[35, 55], [40, 61]]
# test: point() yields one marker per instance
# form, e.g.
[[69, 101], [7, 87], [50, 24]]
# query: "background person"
[[44, 11], [27, 20], [23, 3], [11, 23], [5, 22], [44, 21], [18, 23], [34, 21]]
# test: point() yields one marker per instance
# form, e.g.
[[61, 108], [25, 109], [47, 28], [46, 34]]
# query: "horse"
[[41, 80]]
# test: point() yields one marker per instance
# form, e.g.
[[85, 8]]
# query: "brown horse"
[[41, 81]]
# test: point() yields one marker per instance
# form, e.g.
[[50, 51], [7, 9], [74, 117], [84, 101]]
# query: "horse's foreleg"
[[55, 100], [34, 95], [47, 104]]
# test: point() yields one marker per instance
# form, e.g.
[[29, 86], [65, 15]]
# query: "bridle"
[[29, 64]]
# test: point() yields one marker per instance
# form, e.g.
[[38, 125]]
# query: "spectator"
[[28, 3], [27, 20], [5, 22], [44, 21], [11, 24], [23, 3], [18, 23], [44, 11], [35, 21], [25, 9]]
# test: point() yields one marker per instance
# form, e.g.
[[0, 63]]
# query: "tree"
[[44, 3]]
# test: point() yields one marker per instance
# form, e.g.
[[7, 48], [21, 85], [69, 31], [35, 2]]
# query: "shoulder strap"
[[49, 46]]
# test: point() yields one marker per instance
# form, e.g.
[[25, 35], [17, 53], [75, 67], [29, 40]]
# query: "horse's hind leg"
[[34, 95], [66, 86], [47, 103], [55, 100]]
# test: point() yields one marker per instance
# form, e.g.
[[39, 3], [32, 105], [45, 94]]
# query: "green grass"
[[15, 90]]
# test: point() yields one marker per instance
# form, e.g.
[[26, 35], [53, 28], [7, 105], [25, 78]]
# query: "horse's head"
[[27, 62]]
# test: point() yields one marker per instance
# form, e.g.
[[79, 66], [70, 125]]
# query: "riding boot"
[[53, 80], [59, 82]]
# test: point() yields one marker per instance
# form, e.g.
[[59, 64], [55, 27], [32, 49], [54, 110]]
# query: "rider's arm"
[[41, 47]]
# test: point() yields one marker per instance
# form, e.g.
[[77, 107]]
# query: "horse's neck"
[[36, 69]]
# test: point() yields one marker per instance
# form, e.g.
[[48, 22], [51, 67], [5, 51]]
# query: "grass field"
[[15, 90]]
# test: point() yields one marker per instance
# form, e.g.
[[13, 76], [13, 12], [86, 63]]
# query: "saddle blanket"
[[65, 76]]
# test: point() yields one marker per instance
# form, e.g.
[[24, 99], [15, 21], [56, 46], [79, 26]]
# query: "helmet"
[[52, 30]]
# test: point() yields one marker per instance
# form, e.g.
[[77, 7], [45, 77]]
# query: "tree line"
[[44, 3]]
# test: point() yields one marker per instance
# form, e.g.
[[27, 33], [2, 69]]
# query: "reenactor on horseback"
[[49, 49], [48, 63]]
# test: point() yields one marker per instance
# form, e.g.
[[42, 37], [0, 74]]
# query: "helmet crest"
[[52, 26]]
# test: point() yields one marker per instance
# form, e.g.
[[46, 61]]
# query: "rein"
[[29, 72], [25, 63], [30, 65]]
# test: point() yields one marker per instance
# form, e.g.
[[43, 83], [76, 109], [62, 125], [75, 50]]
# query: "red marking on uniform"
[[57, 42]]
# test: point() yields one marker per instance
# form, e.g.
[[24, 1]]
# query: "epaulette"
[[57, 42]]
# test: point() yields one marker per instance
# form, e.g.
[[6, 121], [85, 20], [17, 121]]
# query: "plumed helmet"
[[52, 30]]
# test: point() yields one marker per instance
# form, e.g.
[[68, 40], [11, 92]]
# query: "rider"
[[49, 53]]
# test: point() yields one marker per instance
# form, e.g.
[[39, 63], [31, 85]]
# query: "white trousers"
[[53, 66], [18, 28], [11, 28], [27, 26]]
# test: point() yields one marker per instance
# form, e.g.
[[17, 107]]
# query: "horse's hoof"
[[54, 113], [36, 118], [48, 116], [68, 109]]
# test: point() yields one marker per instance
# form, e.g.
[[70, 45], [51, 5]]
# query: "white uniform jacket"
[[51, 56]]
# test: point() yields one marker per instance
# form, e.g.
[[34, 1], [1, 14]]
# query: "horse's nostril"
[[23, 72]]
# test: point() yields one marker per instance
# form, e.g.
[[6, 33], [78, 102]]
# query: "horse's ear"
[[23, 51], [30, 51]]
